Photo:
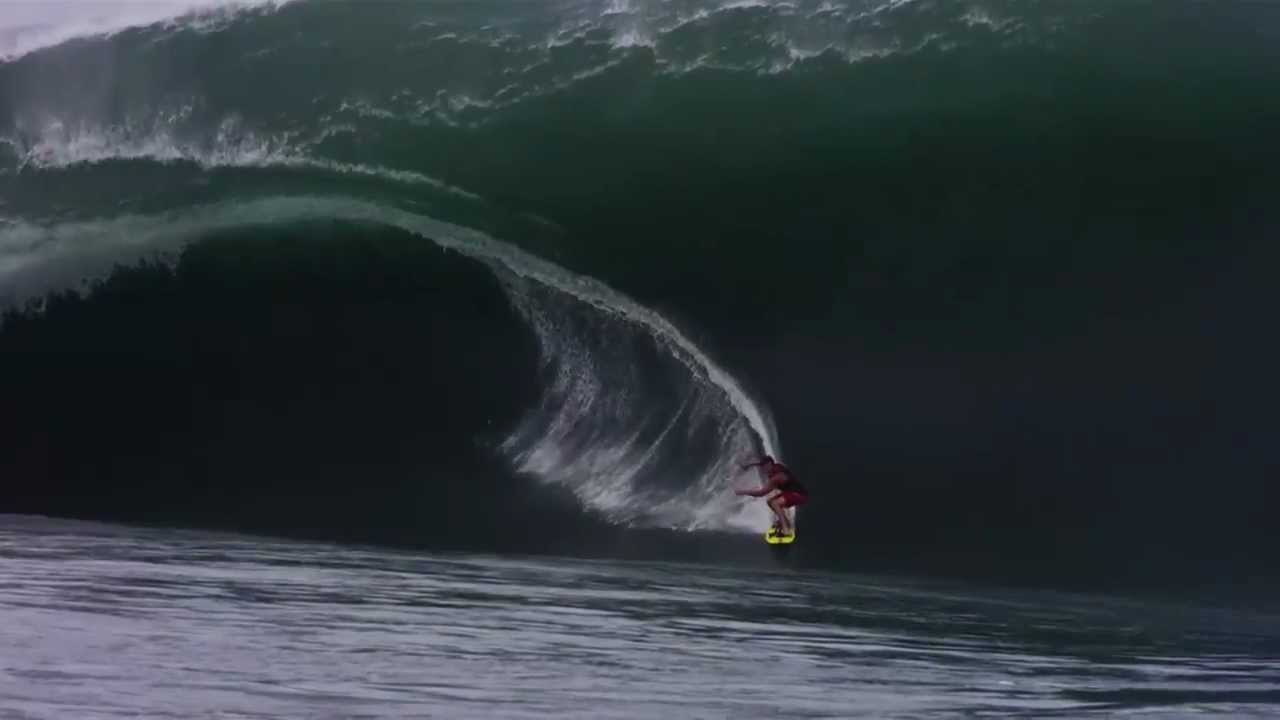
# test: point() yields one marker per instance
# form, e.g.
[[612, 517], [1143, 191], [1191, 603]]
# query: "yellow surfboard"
[[775, 539]]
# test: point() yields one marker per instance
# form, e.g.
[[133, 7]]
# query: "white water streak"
[[57, 146]]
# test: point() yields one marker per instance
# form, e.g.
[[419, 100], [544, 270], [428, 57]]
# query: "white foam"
[[826, 8], [632, 37], [364, 108], [978, 16], [58, 146], [568, 35], [745, 5], [28, 27]]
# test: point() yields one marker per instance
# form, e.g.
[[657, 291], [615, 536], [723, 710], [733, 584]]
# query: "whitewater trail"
[[35, 259]]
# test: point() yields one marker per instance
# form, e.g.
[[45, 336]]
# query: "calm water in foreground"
[[99, 621]]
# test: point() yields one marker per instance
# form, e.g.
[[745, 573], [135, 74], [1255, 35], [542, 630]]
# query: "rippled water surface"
[[99, 621]]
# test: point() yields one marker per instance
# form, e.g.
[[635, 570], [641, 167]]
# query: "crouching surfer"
[[781, 490]]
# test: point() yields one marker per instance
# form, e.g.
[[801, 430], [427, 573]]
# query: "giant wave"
[[996, 268]]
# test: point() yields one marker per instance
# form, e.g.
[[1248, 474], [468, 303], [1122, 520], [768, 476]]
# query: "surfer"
[[781, 490]]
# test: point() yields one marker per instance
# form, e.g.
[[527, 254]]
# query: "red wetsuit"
[[792, 492]]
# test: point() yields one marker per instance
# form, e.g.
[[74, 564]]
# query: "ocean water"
[[485, 302], [102, 621]]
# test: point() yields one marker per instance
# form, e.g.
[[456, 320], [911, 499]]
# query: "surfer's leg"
[[769, 500], [786, 501], [778, 505]]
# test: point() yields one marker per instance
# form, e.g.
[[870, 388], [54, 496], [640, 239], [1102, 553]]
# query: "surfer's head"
[[765, 461]]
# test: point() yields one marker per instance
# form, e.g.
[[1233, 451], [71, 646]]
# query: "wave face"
[[998, 255]]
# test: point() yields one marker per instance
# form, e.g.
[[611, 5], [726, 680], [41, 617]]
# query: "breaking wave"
[[638, 421]]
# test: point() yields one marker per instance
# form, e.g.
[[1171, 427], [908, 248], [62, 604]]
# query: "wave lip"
[[25, 29]]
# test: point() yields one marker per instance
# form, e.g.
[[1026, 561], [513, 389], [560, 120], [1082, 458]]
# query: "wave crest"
[[28, 29]]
